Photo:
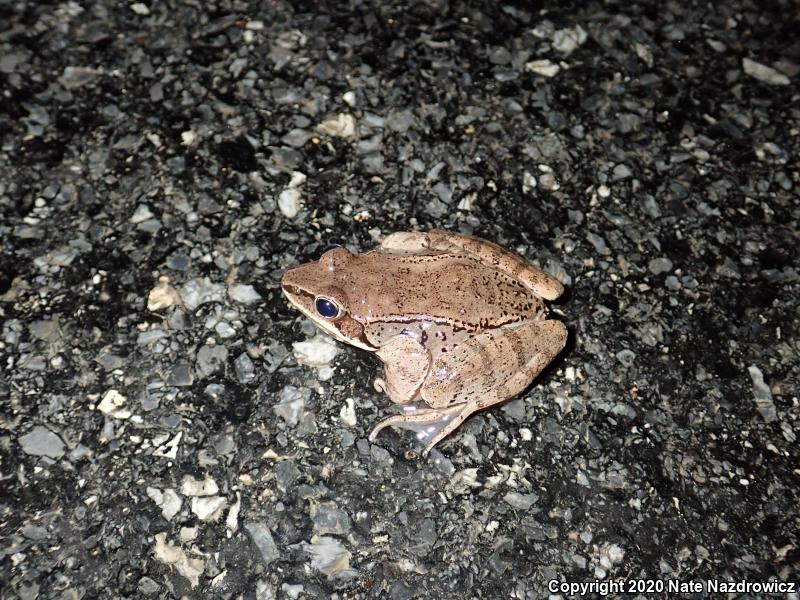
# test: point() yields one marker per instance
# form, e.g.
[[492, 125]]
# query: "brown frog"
[[459, 322]]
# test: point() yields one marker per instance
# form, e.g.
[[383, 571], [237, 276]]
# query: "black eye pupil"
[[326, 308]]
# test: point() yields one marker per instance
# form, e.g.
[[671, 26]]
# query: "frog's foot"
[[379, 384], [431, 425]]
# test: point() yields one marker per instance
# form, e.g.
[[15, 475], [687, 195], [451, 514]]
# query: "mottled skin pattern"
[[459, 322]]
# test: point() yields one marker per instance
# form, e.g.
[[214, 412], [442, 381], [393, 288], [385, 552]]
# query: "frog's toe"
[[381, 426], [430, 425]]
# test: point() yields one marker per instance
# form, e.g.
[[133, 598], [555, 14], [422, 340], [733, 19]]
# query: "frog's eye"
[[327, 308]]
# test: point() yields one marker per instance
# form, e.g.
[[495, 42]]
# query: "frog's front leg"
[[490, 368], [406, 364]]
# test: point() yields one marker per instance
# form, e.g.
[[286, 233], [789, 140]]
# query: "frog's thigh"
[[493, 366], [406, 364]]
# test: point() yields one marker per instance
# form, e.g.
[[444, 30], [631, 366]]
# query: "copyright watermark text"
[[675, 586]]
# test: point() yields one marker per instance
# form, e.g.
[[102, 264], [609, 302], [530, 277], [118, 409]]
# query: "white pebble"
[[168, 501], [342, 125], [246, 294], [209, 508], [544, 67], [347, 414], [349, 98], [112, 403], [188, 137], [764, 73], [140, 9], [319, 351], [289, 202], [194, 487], [162, 296], [141, 214]]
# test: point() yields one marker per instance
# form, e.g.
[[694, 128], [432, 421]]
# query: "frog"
[[460, 323]]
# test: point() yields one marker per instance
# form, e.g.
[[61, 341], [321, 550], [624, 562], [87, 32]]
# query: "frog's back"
[[447, 287]]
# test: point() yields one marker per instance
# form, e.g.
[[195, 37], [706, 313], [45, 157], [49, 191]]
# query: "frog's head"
[[318, 290]]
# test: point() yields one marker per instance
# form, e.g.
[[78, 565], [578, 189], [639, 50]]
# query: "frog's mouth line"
[[302, 300]]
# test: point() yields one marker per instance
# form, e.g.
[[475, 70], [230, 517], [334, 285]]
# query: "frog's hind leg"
[[490, 368], [427, 423]]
